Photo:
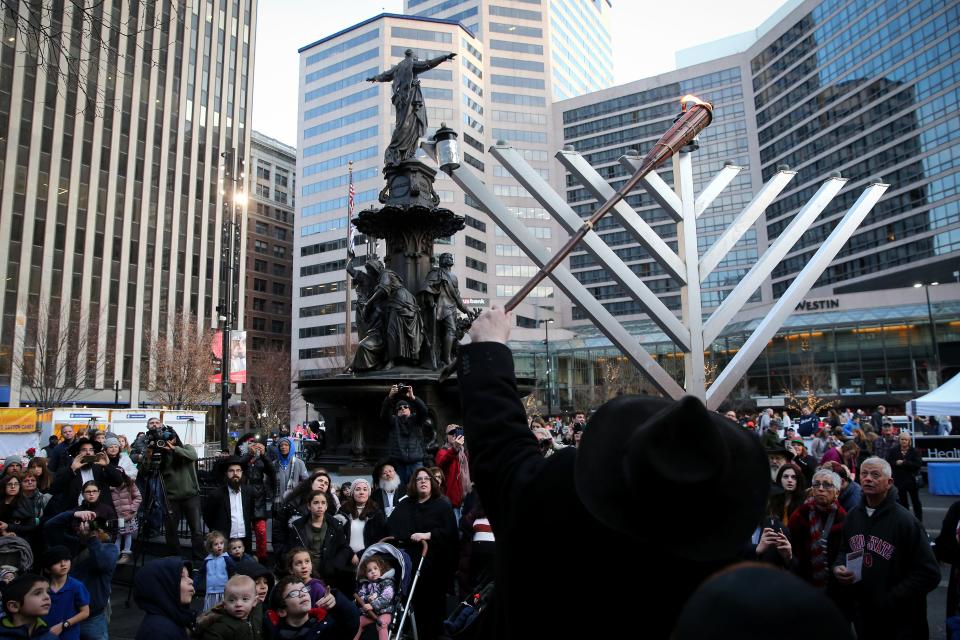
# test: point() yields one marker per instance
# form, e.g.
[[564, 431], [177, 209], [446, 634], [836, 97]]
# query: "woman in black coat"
[[905, 461], [425, 515]]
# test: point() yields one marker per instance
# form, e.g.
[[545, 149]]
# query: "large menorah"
[[689, 332]]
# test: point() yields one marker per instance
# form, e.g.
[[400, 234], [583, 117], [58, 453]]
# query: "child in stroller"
[[376, 592]]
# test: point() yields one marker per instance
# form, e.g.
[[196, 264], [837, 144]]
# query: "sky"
[[646, 34]]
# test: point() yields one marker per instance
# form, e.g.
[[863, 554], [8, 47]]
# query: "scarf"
[[819, 534]]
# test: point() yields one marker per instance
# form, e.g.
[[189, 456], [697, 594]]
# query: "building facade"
[[110, 187], [269, 268]]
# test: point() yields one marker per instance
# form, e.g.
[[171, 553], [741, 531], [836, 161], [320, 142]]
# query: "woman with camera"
[[452, 460]]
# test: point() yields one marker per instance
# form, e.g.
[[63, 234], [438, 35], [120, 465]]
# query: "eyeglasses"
[[296, 593], [823, 485], [422, 479]]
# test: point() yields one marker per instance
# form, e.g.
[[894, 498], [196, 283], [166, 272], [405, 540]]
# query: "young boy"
[[229, 620], [263, 583], [291, 615], [237, 551], [70, 600], [25, 601]]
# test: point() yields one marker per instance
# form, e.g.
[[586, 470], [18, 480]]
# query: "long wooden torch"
[[696, 115]]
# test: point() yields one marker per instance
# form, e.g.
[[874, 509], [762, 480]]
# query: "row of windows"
[[323, 267], [473, 243], [323, 227], [339, 161], [516, 63], [343, 46], [508, 250], [515, 30], [475, 285], [476, 224], [517, 99], [341, 122], [261, 266], [474, 69], [260, 324], [337, 203], [473, 263], [510, 12], [340, 103], [276, 307], [501, 172], [343, 83], [323, 288], [520, 117], [517, 47], [516, 270], [543, 233], [516, 135], [322, 309], [444, 6], [260, 286], [509, 290], [421, 34], [785, 41], [338, 67], [473, 162], [510, 191], [340, 141], [339, 181], [517, 81], [319, 332], [470, 102], [323, 247], [473, 50], [435, 93]]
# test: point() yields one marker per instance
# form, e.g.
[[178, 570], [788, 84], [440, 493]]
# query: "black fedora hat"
[[645, 461], [779, 450], [79, 442]]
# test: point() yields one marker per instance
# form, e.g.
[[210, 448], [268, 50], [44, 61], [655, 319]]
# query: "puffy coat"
[[407, 437]]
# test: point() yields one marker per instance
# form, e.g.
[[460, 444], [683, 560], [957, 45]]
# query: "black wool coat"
[[216, 512], [545, 536]]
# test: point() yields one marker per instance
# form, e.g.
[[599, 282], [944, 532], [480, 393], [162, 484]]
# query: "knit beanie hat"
[[55, 555], [12, 459], [111, 442]]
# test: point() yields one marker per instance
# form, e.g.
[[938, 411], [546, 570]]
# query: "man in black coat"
[[87, 462], [640, 501], [60, 456], [229, 509], [897, 566], [406, 415]]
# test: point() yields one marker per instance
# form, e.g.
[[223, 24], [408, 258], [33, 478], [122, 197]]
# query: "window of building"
[[279, 288], [476, 264], [526, 323], [263, 191], [280, 196], [260, 265], [278, 308], [276, 326], [474, 243], [258, 324], [279, 269], [262, 228], [261, 247], [279, 252], [476, 285], [259, 304], [508, 290], [476, 224], [263, 172], [421, 34], [282, 178], [259, 285], [280, 234]]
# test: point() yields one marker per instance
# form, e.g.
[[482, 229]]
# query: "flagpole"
[[348, 315]]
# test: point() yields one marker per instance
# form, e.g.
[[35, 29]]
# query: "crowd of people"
[[496, 515]]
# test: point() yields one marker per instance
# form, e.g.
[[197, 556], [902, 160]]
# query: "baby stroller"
[[406, 583]]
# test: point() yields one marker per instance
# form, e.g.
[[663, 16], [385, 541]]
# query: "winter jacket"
[[39, 631], [905, 475], [216, 512], [851, 497], [179, 470], [214, 574], [407, 437], [334, 555], [217, 624], [126, 502], [374, 523], [448, 459], [436, 517], [260, 477], [290, 471], [382, 591], [800, 538], [94, 567], [157, 591], [883, 447], [337, 623], [528, 499], [947, 549], [256, 570], [67, 484], [60, 457], [899, 570]]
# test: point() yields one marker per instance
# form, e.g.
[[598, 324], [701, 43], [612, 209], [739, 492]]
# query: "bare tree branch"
[[182, 365], [55, 364], [268, 390]]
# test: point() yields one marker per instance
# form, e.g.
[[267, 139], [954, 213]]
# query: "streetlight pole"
[[546, 328], [933, 328], [229, 294]]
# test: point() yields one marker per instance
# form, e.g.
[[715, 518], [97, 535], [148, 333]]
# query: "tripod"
[[154, 494]]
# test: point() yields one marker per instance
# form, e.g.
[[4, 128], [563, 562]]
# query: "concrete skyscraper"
[[110, 187]]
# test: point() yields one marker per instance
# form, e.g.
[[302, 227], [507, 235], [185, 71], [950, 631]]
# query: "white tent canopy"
[[942, 401]]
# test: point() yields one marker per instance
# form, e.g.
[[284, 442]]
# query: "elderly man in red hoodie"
[[452, 459]]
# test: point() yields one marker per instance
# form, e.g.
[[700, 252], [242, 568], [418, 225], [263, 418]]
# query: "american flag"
[[350, 193]]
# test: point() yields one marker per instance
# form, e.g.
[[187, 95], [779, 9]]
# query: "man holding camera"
[[88, 462], [408, 438], [176, 463]]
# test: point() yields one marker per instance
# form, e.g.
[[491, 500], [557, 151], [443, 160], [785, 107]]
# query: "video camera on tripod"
[[158, 440]]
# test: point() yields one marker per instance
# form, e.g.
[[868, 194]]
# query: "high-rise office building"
[[110, 188], [269, 276]]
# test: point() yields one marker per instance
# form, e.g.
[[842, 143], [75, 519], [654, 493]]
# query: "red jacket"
[[448, 459]]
